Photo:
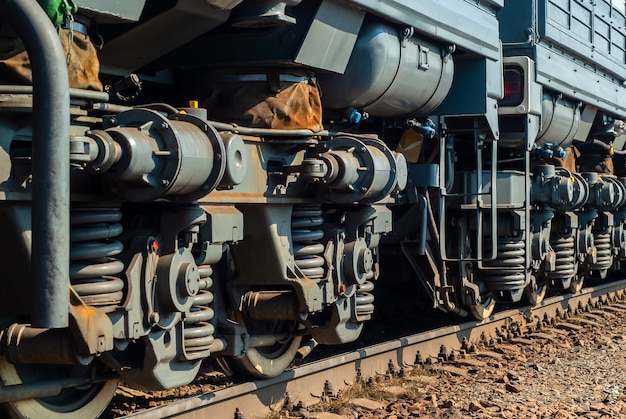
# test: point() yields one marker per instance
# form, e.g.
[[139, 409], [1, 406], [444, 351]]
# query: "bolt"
[[287, 403], [443, 353], [328, 390], [164, 125], [391, 368], [418, 358], [464, 344]]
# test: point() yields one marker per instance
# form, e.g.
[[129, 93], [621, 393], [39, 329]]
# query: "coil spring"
[[507, 272], [365, 301], [93, 269], [199, 330], [306, 250], [604, 258], [563, 246]]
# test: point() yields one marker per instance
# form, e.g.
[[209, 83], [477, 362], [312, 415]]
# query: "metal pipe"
[[21, 344], [109, 107], [259, 341], [91, 95], [51, 164], [306, 349], [40, 390], [423, 206], [432, 223], [221, 126], [606, 147], [270, 305]]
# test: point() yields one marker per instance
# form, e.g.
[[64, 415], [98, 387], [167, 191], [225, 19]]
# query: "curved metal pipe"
[[51, 165], [606, 147]]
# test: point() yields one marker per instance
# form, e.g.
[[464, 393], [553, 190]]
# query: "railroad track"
[[307, 383]]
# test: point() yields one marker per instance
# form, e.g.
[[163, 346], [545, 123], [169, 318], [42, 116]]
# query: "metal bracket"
[[407, 33], [423, 58], [448, 52]]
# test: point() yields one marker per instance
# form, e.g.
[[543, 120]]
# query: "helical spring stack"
[[604, 257], [365, 301], [507, 272], [565, 260], [305, 235], [94, 272], [198, 334]]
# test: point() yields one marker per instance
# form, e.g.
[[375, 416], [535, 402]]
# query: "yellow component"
[[182, 112], [193, 104], [411, 145]]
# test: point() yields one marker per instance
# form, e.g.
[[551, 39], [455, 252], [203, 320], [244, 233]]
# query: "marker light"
[[513, 87]]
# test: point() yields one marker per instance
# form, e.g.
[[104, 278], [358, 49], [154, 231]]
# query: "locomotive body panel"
[[578, 47]]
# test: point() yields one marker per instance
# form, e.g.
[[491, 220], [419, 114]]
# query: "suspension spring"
[[306, 247], [604, 257], [507, 273], [93, 269], [564, 249], [198, 335], [365, 301]]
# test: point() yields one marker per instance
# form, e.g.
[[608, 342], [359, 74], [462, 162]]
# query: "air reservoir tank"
[[390, 74]]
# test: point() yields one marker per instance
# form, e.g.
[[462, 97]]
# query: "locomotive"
[[229, 179]]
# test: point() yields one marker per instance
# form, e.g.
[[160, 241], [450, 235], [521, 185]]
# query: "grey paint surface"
[[111, 10], [454, 21], [578, 47]]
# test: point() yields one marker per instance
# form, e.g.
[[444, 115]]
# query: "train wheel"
[[535, 292], [72, 403], [561, 284], [577, 283], [482, 310], [266, 361], [481, 307]]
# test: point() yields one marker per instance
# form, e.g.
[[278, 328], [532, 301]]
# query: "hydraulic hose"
[[51, 166]]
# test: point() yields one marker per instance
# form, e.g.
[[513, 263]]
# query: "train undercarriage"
[[236, 191]]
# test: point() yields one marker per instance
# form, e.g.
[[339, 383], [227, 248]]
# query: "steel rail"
[[306, 383]]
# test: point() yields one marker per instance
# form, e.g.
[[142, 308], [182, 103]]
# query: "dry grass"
[[412, 385], [275, 415]]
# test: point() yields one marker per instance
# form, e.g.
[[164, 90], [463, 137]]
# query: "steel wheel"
[[482, 307], [479, 300], [535, 292], [577, 283], [482, 310], [72, 403], [266, 361], [561, 284]]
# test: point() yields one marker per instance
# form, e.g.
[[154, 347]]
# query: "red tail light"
[[513, 87]]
